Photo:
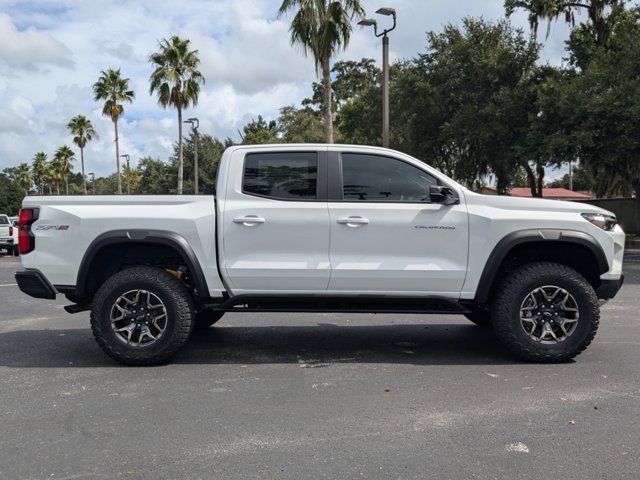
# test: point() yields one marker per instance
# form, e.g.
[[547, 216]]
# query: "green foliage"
[[582, 180], [599, 12], [260, 131], [11, 194]]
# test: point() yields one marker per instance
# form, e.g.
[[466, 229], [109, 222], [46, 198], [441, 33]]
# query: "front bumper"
[[34, 284], [609, 288]]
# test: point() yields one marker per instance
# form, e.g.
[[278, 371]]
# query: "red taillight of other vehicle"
[[11, 231], [26, 240]]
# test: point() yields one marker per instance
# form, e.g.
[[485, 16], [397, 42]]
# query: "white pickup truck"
[[8, 235], [323, 228]]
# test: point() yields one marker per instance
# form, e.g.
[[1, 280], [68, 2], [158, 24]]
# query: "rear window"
[[4, 220], [284, 175]]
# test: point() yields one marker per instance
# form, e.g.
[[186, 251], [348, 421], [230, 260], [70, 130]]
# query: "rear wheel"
[[16, 251], [546, 312], [205, 318], [142, 316]]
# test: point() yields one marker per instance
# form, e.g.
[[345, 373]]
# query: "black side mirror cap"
[[442, 194]]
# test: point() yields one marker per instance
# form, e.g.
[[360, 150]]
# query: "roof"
[[546, 192]]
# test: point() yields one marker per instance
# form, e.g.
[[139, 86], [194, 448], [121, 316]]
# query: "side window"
[[373, 178], [284, 175]]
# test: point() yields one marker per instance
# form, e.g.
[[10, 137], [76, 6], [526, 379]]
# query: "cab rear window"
[[4, 220], [281, 175]]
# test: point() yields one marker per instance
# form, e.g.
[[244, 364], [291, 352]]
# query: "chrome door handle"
[[353, 221], [249, 220]]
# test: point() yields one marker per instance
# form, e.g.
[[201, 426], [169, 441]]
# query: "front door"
[[276, 223], [386, 235]]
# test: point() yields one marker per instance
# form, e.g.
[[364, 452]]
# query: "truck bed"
[[67, 226]]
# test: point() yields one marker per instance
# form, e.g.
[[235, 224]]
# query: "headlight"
[[601, 220]]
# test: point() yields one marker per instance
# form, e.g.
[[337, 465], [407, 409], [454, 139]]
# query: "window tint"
[[287, 175], [372, 178], [4, 220]]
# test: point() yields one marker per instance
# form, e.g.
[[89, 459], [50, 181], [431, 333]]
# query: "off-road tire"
[[508, 300], [205, 318], [180, 315], [482, 318]]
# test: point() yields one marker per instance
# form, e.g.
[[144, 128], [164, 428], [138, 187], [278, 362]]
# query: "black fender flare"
[[520, 237], [129, 236]]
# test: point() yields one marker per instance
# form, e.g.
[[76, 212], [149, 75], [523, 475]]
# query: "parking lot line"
[[9, 285]]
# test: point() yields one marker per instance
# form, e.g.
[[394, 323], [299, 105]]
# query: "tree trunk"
[[58, 187], [540, 171], [115, 124], [328, 108], [84, 178], [531, 178], [66, 183], [180, 152]]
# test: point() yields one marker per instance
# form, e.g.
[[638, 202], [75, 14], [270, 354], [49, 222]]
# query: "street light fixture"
[[126, 155], [93, 181], [369, 22], [195, 124]]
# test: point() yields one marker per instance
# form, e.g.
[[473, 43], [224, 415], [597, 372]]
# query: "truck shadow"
[[313, 346]]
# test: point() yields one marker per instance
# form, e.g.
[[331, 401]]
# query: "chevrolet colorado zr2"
[[323, 228]]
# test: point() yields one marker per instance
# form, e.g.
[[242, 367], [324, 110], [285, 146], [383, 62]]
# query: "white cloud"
[[29, 49], [51, 53]]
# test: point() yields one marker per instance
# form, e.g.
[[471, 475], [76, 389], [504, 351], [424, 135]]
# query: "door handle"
[[249, 220], [353, 221]]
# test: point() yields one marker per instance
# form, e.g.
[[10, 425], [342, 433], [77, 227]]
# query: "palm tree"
[[23, 175], [38, 167], [51, 175], [63, 159], [322, 27], [82, 130], [177, 80], [114, 91]]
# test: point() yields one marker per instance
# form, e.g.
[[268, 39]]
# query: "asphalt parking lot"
[[316, 396]]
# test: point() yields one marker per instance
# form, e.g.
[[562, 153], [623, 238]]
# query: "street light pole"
[[368, 22], [93, 181], [126, 155], [195, 124]]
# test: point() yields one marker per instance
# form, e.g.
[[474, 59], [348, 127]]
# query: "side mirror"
[[443, 195]]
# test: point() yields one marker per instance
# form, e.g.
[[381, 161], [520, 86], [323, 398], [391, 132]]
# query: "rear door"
[[386, 235], [275, 221]]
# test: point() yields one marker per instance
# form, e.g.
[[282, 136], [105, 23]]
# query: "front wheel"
[[142, 316], [546, 312]]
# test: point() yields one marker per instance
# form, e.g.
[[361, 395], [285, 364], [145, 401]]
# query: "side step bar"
[[338, 304]]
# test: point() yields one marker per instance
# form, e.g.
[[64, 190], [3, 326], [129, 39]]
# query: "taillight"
[[26, 240], [11, 231]]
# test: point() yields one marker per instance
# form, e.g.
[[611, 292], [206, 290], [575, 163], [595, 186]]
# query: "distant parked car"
[[9, 235]]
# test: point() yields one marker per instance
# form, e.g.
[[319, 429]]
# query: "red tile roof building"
[[552, 193]]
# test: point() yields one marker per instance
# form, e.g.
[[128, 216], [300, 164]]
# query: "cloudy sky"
[[51, 52]]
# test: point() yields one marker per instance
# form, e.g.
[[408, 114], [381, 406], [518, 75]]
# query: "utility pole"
[[126, 156], [368, 22], [195, 124], [570, 175]]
